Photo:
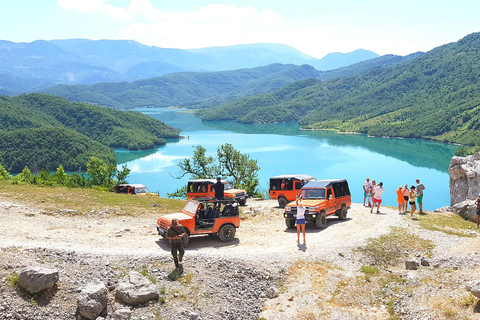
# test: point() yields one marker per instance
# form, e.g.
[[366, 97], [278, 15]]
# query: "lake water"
[[285, 149]]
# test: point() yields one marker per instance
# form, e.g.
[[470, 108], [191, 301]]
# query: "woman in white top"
[[300, 218]]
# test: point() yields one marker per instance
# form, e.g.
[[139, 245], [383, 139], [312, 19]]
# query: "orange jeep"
[[204, 216], [286, 187], [321, 198], [135, 188], [203, 188]]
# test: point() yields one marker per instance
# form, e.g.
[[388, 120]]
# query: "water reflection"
[[418, 153]]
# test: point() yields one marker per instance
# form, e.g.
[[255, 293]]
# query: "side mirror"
[[330, 197]]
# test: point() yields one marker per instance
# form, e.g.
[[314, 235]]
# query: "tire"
[[226, 233], [185, 240], [342, 214], [242, 202], [282, 202], [290, 223], [321, 220]]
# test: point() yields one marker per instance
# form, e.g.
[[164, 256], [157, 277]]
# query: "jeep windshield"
[[313, 193], [141, 190], [190, 208], [228, 186]]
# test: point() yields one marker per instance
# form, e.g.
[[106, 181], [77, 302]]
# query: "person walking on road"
[[377, 197], [175, 234], [300, 218], [420, 188]]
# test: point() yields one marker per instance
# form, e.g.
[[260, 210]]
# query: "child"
[[411, 199], [400, 199], [477, 203], [300, 218]]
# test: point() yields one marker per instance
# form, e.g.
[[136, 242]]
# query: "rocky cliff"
[[464, 178]]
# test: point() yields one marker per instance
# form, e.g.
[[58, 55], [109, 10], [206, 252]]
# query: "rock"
[[36, 279], [272, 292], [444, 209], [135, 289], [121, 314], [411, 265], [92, 300], [425, 262], [190, 314], [465, 209], [464, 178], [473, 287]]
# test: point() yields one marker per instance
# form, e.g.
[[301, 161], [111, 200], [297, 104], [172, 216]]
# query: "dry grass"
[[448, 223], [84, 201]]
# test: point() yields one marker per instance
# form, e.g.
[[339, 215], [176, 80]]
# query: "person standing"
[[406, 193], [367, 185], [400, 199], [477, 204], [411, 199], [300, 218], [219, 188], [377, 197], [175, 234], [420, 188]]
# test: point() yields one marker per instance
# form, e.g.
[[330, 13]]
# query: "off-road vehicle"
[[285, 188], [135, 188], [321, 198], [202, 188], [204, 216]]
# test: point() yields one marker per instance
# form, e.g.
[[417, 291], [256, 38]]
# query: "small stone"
[[411, 265]]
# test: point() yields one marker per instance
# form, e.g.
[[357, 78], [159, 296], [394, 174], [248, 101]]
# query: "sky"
[[315, 27]]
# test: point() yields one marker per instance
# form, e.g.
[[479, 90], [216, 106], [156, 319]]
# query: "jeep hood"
[[179, 215], [308, 203]]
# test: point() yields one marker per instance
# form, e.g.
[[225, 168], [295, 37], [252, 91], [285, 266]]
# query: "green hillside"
[[435, 96], [43, 131], [187, 89]]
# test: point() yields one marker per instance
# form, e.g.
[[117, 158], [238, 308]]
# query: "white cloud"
[[211, 25]]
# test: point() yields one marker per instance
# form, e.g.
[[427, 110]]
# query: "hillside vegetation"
[[42, 131], [434, 96]]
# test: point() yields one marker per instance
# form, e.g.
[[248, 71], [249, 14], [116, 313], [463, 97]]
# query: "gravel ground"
[[228, 280]]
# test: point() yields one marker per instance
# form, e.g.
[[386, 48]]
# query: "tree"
[[100, 174], [229, 163]]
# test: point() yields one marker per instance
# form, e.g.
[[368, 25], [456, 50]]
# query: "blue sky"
[[315, 27]]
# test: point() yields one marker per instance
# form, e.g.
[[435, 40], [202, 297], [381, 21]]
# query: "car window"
[[141, 190], [228, 186], [191, 207], [313, 193]]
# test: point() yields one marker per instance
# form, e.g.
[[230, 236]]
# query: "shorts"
[[364, 193], [411, 202], [375, 200], [420, 198], [405, 197], [300, 221], [478, 211], [400, 201]]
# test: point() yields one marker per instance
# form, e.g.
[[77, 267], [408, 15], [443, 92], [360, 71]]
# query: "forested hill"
[[189, 89], [207, 89], [43, 131], [436, 95]]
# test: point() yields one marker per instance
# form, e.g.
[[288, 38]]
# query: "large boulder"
[[464, 178], [92, 300], [135, 289], [36, 279]]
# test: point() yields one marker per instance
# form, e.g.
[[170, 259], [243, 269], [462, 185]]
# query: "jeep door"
[[331, 202]]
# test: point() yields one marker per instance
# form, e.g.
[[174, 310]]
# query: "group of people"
[[373, 193], [406, 196], [372, 196]]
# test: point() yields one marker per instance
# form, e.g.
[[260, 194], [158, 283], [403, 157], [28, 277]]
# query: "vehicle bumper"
[[162, 232]]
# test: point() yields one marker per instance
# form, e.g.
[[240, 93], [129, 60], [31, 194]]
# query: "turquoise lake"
[[285, 149]]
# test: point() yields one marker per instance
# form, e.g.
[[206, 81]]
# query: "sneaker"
[[412, 218]]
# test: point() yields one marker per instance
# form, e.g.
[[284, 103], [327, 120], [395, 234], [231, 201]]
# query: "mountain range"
[[435, 95], [26, 67]]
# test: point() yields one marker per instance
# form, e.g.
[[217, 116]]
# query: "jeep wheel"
[[242, 202], [321, 220], [290, 223], [282, 202], [185, 240], [226, 233], [342, 214]]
